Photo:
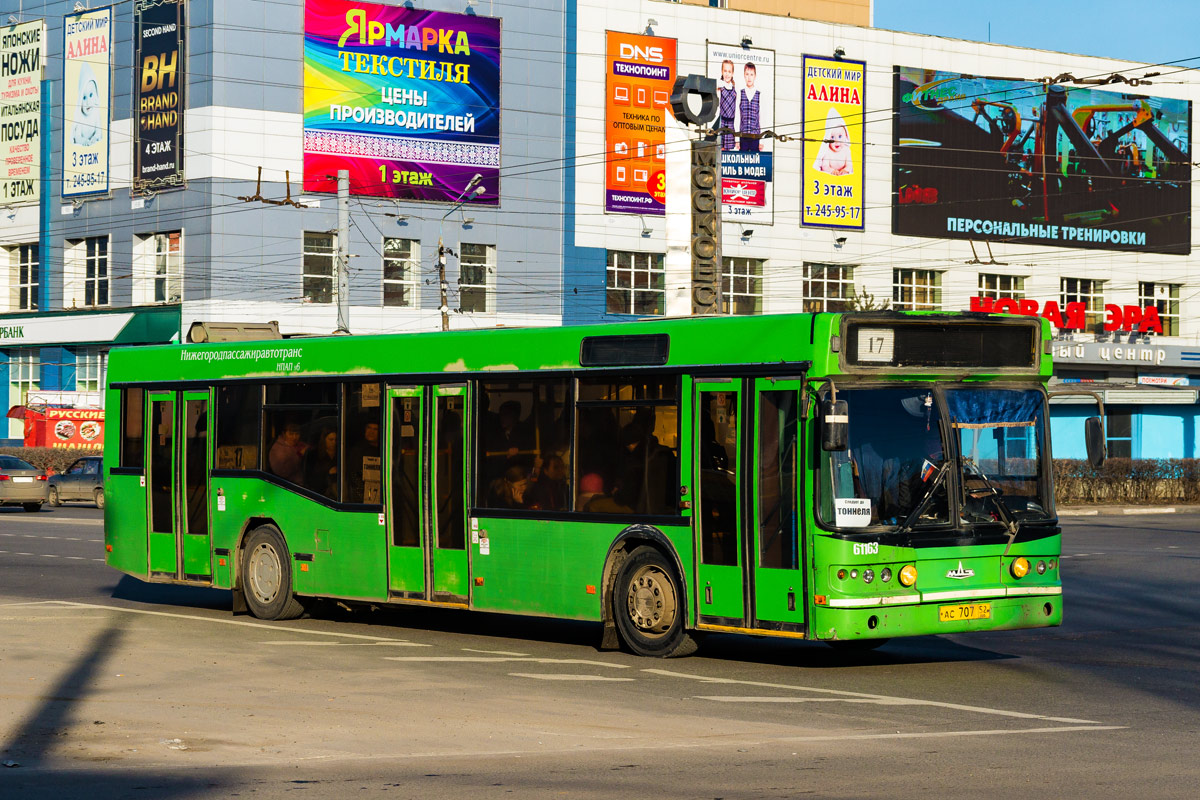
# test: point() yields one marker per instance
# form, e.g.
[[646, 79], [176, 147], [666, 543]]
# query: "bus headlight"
[[1041, 568], [908, 575], [885, 574], [1019, 567]]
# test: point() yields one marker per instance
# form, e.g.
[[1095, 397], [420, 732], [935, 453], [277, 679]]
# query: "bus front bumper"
[[932, 617]]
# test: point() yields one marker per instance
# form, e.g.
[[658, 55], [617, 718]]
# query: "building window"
[[85, 273], [157, 268], [1118, 429], [320, 250], [1089, 292], [401, 265], [25, 270], [1164, 297], [636, 283], [24, 373], [90, 363], [476, 268], [1002, 287], [827, 287], [741, 286], [916, 290]]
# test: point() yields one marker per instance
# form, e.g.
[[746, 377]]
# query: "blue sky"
[[1149, 32]]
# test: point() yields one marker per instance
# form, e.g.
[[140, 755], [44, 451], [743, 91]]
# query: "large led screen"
[[1019, 161]]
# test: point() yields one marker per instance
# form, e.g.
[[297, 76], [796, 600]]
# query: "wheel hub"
[[651, 601], [264, 573]]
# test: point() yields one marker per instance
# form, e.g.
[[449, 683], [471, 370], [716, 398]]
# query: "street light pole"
[[472, 189]]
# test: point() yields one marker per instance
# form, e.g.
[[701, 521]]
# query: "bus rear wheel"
[[267, 576], [648, 606]]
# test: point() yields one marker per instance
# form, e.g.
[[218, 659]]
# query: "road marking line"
[[22, 554], [47, 555], [944, 734], [733, 698], [75, 558], [528, 659], [285, 643], [553, 677], [222, 621], [67, 521], [900, 701], [493, 652]]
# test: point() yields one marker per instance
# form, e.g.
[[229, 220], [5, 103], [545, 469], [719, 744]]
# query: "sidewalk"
[[1102, 511]]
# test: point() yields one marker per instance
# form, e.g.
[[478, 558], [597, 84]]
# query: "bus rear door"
[[426, 512], [179, 543]]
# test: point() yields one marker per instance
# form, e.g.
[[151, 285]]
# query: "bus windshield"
[[896, 467], [1001, 436]]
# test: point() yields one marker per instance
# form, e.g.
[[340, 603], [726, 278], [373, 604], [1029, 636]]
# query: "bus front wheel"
[[648, 606], [267, 576]]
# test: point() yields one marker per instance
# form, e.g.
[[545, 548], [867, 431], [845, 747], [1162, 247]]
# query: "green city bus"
[[840, 477]]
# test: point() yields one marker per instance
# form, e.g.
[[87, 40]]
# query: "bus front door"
[[426, 512], [777, 546], [750, 547], [179, 543], [720, 583]]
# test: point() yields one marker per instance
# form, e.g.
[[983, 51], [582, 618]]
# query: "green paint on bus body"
[[554, 567]]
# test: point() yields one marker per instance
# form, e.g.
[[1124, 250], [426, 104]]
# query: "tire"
[[856, 645], [98, 495], [52, 498], [266, 575], [31, 506], [649, 606]]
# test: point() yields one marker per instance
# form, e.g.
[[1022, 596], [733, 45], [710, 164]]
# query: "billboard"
[[1006, 160], [160, 80], [87, 75], [639, 74], [831, 172], [745, 79], [22, 51], [406, 100]]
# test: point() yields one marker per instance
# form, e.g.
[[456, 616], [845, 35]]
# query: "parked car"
[[21, 484], [83, 480]]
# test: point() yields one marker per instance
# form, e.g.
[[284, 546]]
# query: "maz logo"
[[652, 54], [960, 572]]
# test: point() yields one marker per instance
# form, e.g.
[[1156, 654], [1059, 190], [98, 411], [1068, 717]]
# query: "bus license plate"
[[967, 611]]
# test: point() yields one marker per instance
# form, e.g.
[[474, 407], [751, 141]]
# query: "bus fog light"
[[1041, 568], [868, 575], [1019, 567], [908, 575], [885, 574]]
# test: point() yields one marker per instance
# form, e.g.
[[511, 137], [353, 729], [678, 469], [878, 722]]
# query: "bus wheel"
[[267, 576], [648, 606]]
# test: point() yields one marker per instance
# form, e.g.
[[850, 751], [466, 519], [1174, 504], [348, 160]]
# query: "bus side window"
[[132, 451], [524, 445], [239, 414], [363, 456]]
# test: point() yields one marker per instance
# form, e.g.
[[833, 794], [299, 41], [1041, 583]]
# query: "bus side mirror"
[[1093, 432], [835, 425]]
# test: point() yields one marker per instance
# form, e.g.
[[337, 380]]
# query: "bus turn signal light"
[[1020, 567], [908, 575]]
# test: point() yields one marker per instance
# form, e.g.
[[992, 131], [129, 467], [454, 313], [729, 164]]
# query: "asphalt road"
[[114, 688]]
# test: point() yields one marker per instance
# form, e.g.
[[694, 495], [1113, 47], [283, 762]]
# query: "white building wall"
[[875, 251]]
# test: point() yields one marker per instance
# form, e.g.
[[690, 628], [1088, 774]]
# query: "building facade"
[[861, 166]]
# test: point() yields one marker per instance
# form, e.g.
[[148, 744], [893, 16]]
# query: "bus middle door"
[[720, 584], [179, 546], [405, 490]]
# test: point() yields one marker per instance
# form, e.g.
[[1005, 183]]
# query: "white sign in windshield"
[[852, 512]]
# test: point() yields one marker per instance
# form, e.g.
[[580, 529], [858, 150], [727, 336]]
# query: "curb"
[[1094, 512]]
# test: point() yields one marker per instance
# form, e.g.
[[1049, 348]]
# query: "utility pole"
[[342, 274], [472, 189]]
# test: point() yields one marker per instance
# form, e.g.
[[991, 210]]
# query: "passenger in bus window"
[[323, 469], [509, 490], [287, 454], [361, 457], [646, 469], [550, 491]]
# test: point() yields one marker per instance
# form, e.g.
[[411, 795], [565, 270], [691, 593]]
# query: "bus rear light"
[[908, 575], [1019, 567]]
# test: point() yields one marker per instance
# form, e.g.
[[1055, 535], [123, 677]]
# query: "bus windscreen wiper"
[[926, 499], [993, 493]]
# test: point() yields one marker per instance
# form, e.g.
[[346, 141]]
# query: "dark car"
[[83, 480], [21, 484]]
